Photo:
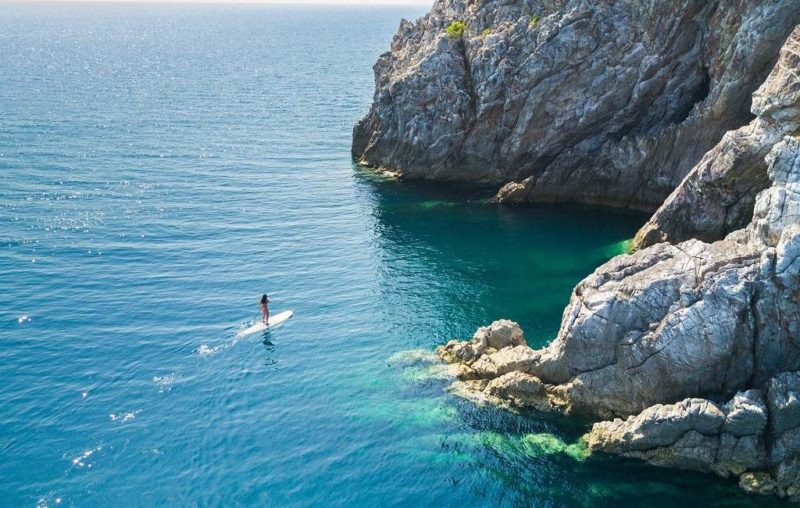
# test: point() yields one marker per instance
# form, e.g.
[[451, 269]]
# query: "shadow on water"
[[488, 261], [269, 349]]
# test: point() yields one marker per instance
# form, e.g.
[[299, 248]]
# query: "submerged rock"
[[572, 100], [536, 445]]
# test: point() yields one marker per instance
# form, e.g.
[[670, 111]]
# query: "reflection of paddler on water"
[[265, 308]]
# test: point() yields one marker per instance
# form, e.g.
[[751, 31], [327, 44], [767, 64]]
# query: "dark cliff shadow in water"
[[450, 252]]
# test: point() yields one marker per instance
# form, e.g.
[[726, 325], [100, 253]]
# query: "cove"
[[159, 170]]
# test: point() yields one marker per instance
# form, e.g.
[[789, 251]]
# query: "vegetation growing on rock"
[[456, 29]]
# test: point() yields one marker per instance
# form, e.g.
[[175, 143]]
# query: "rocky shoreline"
[[686, 352], [689, 352]]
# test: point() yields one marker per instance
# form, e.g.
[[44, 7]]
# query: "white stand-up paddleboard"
[[261, 326]]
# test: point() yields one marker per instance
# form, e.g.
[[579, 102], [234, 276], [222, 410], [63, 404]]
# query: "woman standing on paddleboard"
[[265, 308]]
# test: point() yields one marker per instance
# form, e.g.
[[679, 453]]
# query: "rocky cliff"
[[687, 351], [609, 102]]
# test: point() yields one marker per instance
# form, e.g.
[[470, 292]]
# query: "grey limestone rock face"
[[691, 434], [688, 348], [658, 426], [660, 325], [488, 339], [501, 334], [750, 437], [745, 414], [718, 195], [676, 321], [778, 207], [783, 397], [520, 389], [570, 100], [509, 359]]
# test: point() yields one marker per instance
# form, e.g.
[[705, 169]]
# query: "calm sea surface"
[[160, 168]]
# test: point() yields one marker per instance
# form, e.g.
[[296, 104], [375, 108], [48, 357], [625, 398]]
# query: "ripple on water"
[[165, 383], [124, 417], [83, 460]]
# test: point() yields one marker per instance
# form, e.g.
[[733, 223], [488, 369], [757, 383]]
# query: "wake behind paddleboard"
[[275, 320]]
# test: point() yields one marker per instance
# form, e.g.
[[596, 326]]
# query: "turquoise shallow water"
[[160, 168]]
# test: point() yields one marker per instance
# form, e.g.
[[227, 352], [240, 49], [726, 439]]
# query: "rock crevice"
[[718, 194]]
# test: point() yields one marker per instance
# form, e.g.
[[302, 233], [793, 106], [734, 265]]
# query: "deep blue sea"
[[162, 166]]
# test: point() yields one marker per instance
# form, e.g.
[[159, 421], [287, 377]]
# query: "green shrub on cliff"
[[456, 29], [486, 31], [534, 19]]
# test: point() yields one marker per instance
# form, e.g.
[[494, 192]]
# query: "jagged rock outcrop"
[[569, 100], [717, 196], [757, 440], [694, 433], [500, 335], [696, 344]]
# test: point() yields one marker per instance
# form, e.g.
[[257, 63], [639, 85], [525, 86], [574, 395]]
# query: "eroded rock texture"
[[694, 348], [570, 100], [694, 433], [717, 196], [750, 437]]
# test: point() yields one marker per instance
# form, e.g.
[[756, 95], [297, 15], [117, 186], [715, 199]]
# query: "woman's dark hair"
[[264, 299]]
